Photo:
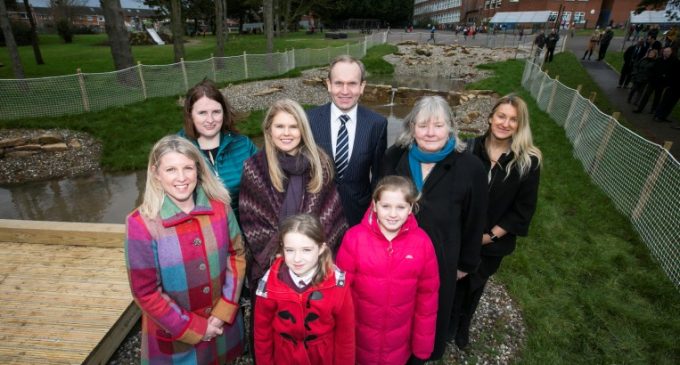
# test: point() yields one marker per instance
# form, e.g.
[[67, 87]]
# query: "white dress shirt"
[[301, 281], [351, 128]]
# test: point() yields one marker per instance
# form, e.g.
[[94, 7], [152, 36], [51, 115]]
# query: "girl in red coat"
[[304, 313], [393, 269]]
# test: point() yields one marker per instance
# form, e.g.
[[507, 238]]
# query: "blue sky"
[[131, 4]]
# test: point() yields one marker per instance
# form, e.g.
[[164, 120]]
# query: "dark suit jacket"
[[370, 142]]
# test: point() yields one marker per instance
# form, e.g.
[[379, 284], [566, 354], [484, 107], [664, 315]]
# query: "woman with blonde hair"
[[512, 163], [291, 175], [186, 261], [453, 197]]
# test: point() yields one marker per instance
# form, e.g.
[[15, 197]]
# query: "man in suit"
[[632, 54], [360, 134]]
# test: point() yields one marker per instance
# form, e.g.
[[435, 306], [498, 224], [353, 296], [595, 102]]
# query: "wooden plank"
[[62, 233], [108, 345], [58, 302]]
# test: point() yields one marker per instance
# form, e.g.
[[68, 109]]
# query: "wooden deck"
[[64, 294]]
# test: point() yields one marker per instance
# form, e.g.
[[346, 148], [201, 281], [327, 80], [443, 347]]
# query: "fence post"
[[651, 181], [141, 78], [328, 53], [184, 74], [83, 91], [245, 65], [592, 97], [540, 89], [347, 46], [212, 57], [293, 57], [365, 43], [552, 94], [571, 106], [611, 125]]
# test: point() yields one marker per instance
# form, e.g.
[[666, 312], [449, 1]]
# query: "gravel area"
[[80, 159]]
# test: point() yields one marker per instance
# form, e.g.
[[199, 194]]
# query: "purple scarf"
[[296, 168]]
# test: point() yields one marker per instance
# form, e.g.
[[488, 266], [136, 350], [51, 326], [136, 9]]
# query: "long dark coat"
[[452, 211]]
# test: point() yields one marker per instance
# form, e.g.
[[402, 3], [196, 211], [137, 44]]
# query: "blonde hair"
[[321, 171], [397, 183], [154, 193], [309, 226], [426, 108], [522, 145]]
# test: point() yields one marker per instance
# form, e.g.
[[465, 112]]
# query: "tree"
[[119, 40], [220, 15], [269, 24], [62, 13], [6, 26], [177, 29], [34, 34]]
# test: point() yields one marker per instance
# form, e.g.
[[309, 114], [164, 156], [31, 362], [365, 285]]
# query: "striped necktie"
[[342, 147]]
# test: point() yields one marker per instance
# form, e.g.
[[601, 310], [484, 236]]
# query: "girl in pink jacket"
[[394, 278]]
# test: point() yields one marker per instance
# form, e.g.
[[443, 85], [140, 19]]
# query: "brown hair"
[[400, 183], [347, 59], [311, 227], [208, 89]]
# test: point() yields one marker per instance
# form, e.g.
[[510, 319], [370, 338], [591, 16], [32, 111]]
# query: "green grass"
[[589, 291], [128, 133], [374, 59], [91, 53], [150, 120]]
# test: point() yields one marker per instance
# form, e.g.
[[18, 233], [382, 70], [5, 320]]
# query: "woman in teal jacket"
[[209, 122]]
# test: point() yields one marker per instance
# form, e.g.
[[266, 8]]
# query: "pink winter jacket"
[[395, 289]]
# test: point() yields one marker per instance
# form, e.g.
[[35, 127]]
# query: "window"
[[579, 17], [553, 16]]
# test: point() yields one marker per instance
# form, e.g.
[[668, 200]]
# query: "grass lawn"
[[91, 53], [589, 291]]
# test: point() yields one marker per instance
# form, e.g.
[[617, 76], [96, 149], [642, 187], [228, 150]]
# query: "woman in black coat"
[[513, 165], [453, 197]]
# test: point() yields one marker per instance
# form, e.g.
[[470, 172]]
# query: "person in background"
[[304, 312], [660, 75], [540, 43], [355, 136], [632, 54], [210, 124], [671, 92], [513, 164], [604, 42], [593, 41], [453, 191], [641, 75], [394, 278], [185, 260], [551, 43]]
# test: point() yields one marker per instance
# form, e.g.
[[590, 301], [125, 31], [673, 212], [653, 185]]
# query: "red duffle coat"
[[308, 328]]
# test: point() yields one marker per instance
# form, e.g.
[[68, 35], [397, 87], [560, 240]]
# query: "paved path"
[[608, 79]]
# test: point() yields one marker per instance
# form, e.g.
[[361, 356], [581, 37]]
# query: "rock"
[[268, 91], [55, 147], [20, 154], [423, 52], [13, 142], [314, 81], [466, 120], [75, 143], [28, 147], [50, 138]]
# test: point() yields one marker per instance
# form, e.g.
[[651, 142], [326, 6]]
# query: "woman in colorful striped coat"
[[185, 260]]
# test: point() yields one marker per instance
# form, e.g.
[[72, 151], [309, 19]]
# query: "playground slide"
[[154, 35]]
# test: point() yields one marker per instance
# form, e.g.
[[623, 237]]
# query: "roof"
[[520, 17], [652, 17]]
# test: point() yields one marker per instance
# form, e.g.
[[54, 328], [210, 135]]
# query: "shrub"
[[21, 32], [65, 31]]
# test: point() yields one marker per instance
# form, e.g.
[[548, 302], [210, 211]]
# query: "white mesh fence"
[[640, 177], [73, 94]]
